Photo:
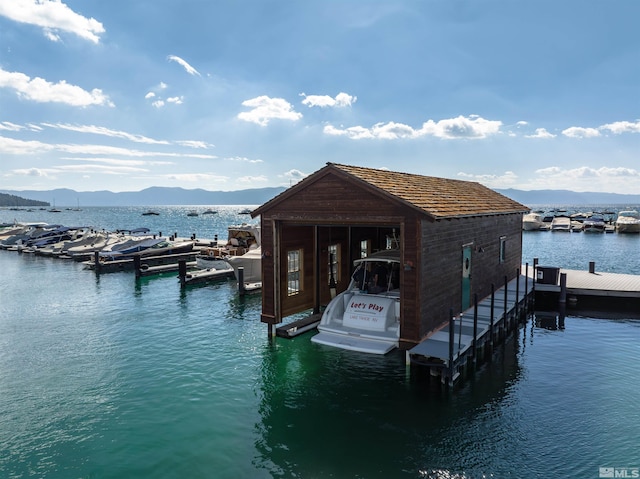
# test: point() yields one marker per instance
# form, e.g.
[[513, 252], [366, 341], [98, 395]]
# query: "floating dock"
[[587, 283], [295, 328]]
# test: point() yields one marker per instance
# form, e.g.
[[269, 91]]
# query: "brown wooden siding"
[[442, 262], [268, 284]]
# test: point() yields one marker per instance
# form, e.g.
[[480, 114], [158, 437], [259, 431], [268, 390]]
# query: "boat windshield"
[[376, 276]]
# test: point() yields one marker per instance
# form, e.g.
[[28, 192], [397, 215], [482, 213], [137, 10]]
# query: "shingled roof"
[[438, 197]]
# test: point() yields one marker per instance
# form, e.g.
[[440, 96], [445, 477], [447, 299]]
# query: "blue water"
[[112, 377]]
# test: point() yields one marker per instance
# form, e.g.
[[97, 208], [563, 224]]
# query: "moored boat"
[[366, 316], [561, 224], [628, 221], [532, 222], [251, 264], [593, 224]]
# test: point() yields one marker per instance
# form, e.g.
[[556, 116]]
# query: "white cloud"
[[620, 127], [119, 162], [579, 132], [103, 169], [588, 172], [197, 177], [51, 16], [265, 109], [150, 95], [505, 180], [42, 91], [195, 144], [20, 147], [353, 132], [243, 160], [541, 133], [35, 172], [585, 178], [341, 100], [177, 100], [252, 179], [295, 175], [101, 130], [188, 68], [473, 127], [158, 103], [7, 125], [51, 35]]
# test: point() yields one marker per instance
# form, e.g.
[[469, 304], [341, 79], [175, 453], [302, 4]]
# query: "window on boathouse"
[[294, 272], [503, 249], [334, 263], [365, 247]]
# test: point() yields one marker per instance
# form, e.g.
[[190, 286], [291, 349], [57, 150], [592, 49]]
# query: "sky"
[[226, 95]]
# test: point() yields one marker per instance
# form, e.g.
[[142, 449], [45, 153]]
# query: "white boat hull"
[[251, 262], [353, 343]]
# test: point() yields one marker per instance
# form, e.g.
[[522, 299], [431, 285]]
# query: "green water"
[[109, 377]]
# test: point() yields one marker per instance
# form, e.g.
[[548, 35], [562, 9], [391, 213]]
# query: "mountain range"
[[158, 196]]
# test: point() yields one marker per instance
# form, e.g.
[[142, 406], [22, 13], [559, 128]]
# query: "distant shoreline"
[[165, 196]]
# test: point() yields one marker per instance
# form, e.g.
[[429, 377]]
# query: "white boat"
[[532, 222], [210, 258], [561, 223], [366, 317], [251, 262], [628, 222], [91, 243], [241, 239], [200, 275]]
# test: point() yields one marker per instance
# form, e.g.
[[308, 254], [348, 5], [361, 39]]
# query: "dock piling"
[[182, 271], [241, 288], [506, 308], [517, 305], [493, 301], [451, 339], [136, 265], [475, 327], [526, 288], [563, 290]]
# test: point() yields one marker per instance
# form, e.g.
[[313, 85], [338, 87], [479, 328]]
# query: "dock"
[[458, 344], [295, 328], [587, 283]]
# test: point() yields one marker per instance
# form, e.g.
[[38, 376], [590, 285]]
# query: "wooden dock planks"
[[584, 283], [434, 350]]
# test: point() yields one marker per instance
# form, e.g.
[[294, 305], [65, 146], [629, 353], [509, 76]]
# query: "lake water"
[[112, 377]]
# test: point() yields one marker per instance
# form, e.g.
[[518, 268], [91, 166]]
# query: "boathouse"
[[456, 239]]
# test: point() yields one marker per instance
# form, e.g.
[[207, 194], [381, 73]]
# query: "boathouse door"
[[466, 277]]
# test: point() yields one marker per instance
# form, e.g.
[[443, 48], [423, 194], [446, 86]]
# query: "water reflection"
[[332, 413]]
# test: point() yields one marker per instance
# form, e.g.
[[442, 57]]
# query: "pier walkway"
[[447, 351]]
